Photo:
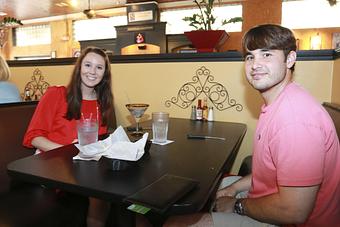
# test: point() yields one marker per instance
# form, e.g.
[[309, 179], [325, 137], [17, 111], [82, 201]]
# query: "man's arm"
[[289, 205]]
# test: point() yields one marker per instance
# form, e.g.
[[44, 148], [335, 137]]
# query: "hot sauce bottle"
[[199, 111]]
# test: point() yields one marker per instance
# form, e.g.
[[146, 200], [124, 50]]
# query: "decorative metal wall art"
[[36, 87], [203, 82]]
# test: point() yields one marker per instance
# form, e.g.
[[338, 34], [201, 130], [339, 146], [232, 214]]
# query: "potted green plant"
[[5, 24], [9, 22], [204, 38]]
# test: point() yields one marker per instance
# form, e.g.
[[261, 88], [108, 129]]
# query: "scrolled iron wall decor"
[[37, 86], [203, 82]]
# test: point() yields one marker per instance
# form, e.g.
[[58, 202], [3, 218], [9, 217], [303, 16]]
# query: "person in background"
[[295, 178], [8, 91], [54, 121]]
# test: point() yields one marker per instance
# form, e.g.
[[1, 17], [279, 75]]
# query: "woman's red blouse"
[[49, 118]]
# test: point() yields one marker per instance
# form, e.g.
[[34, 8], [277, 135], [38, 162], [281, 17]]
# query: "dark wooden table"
[[202, 160]]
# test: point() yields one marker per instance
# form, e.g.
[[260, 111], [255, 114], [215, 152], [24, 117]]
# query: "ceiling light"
[[74, 3], [3, 13], [62, 4]]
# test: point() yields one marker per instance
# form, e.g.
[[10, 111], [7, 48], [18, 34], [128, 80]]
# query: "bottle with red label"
[[199, 111]]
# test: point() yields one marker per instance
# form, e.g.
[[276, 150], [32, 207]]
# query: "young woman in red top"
[[88, 94]]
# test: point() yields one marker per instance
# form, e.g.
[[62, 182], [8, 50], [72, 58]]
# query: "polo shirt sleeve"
[[298, 152], [44, 115]]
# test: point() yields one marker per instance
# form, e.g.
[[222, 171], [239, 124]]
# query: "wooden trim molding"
[[229, 56]]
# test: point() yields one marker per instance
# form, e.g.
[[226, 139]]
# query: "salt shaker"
[[210, 114]]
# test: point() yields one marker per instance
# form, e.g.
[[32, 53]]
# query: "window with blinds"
[[310, 14], [32, 35], [101, 28]]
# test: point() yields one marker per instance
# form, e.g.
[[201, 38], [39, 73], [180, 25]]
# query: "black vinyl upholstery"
[[334, 111], [23, 204]]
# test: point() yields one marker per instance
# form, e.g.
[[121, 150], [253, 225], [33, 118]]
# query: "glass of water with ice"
[[160, 122], [87, 131]]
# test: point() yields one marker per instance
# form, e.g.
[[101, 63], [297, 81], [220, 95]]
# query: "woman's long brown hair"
[[103, 91]]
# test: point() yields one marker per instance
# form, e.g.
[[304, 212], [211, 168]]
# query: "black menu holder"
[[163, 193]]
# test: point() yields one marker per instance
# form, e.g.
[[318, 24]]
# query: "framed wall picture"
[[140, 16], [336, 40], [139, 38]]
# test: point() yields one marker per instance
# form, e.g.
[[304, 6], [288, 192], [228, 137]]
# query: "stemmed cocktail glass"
[[137, 110]]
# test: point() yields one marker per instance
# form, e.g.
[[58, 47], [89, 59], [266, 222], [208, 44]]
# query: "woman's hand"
[[75, 141]]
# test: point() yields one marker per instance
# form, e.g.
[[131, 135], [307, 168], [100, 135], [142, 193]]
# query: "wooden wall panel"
[[257, 12]]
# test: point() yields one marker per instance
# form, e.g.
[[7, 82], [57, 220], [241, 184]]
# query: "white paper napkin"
[[116, 146]]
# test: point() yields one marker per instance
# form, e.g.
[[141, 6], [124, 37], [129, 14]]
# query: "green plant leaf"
[[10, 21], [205, 19], [232, 20]]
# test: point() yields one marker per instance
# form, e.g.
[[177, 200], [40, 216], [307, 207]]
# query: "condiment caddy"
[[202, 112]]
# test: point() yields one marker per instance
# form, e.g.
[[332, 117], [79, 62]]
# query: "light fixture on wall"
[[315, 42]]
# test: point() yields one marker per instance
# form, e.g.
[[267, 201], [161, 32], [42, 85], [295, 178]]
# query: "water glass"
[[160, 122], [87, 131]]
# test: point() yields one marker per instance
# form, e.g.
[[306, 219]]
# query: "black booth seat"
[[23, 204]]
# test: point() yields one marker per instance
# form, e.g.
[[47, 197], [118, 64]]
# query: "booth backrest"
[[24, 204], [14, 119], [334, 111]]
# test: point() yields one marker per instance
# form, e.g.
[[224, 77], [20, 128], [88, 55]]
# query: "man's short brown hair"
[[271, 37]]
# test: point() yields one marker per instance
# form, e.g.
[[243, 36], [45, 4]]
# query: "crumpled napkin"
[[116, 146]]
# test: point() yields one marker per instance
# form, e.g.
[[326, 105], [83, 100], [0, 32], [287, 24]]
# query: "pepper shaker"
[[193, 113]]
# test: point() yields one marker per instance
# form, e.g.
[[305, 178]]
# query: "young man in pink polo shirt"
[[295, 176]]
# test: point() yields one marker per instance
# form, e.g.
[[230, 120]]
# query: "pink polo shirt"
[[296, 144]]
